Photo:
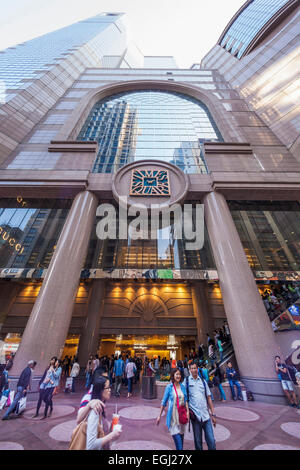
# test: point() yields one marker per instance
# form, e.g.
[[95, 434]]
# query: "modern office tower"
[[36, 74], [258, 55], [93, 136]]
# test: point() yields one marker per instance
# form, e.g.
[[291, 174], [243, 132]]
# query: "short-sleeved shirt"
[[283, 375], [197, 398]]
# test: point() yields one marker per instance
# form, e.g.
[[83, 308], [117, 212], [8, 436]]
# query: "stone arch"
[[73, 125], [148, 306]]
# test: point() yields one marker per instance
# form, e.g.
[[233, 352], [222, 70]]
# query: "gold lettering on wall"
[[11, 241]]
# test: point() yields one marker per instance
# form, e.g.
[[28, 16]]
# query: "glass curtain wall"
[[150, 124], [164, 252], [270, 233], [29, 231], [248, 24]]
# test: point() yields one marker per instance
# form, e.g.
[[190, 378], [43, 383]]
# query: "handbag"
[[11, 397], [183, 419], [21, 405], [3, 401], [78, 438]]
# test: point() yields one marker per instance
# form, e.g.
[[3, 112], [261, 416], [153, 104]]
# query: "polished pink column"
[[48, 325], [205, 322], [89, 339], [252, 334]]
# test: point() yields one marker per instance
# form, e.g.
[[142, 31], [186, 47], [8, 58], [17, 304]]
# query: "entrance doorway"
[[168, 346]]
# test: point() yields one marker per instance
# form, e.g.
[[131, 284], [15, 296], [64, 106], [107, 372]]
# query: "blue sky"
[[186, 29]]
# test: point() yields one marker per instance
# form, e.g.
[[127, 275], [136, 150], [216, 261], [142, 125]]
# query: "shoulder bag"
[[181, 410], [78, 438]]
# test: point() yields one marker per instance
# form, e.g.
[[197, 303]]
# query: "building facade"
[[92, 121]]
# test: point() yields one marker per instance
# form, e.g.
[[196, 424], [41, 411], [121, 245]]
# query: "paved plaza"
[[241, 425]]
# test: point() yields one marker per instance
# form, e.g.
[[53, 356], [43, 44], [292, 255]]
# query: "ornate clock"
[[150, 183]]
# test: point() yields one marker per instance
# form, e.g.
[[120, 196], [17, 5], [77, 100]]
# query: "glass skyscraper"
[[95, 37]]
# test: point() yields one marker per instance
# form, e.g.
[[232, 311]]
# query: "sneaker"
[[240, 398], [291, 405], [5, 418], [35, 416]]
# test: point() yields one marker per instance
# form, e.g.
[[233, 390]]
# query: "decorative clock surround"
[[150, 182]]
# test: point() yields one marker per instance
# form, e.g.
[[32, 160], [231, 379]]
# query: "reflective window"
[[29, 160], [30, 59], [270, 233], [150, 124], [29, 231], [165, 252], [248, 24]]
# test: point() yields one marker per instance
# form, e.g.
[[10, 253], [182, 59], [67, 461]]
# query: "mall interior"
[[226, 132]]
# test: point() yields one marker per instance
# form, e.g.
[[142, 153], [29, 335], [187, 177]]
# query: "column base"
[[265, 390]]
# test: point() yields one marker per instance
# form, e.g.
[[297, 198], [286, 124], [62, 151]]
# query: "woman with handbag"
[[178, 412], [93, 431]]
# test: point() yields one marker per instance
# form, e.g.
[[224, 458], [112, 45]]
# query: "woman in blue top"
[[174, 389], [54, 374]]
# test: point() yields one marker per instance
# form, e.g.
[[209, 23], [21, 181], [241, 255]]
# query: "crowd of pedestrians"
[[279, 297], [188, 396]]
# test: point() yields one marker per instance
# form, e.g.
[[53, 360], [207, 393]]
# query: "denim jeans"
[[130, 379], [239, 392], [73, 385], [88, 381], [118, 383], [17, 397], [110, 378], [178, 440], [206, 426], [222, 394]]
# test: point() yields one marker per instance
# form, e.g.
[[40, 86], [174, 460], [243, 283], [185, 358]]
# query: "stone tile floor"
[[241, 425]]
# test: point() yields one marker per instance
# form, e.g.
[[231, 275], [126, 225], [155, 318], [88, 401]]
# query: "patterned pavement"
[[241, 426]]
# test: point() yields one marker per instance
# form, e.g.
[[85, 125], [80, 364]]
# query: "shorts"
[[287, 385]]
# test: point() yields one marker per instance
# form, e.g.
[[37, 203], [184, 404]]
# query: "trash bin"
[[148, 388]]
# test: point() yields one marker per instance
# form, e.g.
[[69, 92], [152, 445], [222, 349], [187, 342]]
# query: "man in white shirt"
[[200, 403]]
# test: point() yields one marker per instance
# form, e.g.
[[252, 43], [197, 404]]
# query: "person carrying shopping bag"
[[178, 412]]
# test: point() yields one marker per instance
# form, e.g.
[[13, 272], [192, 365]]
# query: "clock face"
[[150, 183]]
